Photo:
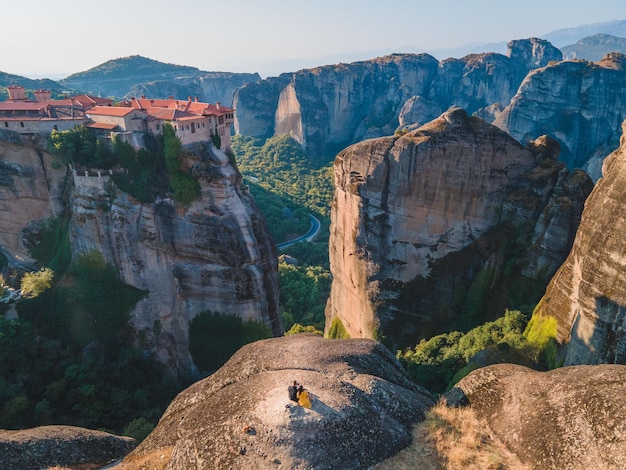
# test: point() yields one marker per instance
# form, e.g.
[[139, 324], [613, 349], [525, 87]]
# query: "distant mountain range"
[[558, 38], [594, 47]]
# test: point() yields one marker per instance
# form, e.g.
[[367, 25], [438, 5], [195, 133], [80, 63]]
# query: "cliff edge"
[[427, 227], [363, 408], [586, 298]]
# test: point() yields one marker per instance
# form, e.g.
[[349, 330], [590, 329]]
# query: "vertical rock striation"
[[214, 255], [578, 103], [417, 218], [587, 296], [330, 107], [30, 193]]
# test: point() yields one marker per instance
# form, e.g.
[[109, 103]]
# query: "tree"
[[172, 149], [35, 283]]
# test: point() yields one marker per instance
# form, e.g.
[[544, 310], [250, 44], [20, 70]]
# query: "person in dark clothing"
[[293, 391]]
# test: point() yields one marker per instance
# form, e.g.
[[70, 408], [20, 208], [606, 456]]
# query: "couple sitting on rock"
[[299, 394]]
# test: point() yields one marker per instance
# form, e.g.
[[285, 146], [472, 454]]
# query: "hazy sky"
[[56, 38]]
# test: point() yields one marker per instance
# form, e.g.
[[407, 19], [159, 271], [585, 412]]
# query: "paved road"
[[313, 230]]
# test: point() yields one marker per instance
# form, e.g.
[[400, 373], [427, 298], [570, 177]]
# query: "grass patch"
[[452, 439]]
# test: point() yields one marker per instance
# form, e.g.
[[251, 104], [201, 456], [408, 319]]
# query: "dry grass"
[[453, 439]]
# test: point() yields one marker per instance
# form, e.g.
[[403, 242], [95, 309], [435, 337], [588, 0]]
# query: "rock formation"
[[256, 105], [61, 446], [210, 87], [214, 255], [587, 296], [329, 107], [580, 104], [363, 408], [422, 224], [30, 192], [573, 417]]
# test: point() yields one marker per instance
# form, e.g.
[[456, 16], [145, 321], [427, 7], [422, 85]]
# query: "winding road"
[[313, 230]]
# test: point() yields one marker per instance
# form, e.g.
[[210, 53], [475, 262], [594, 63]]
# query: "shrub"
[[214, 338], [35, 283], [53, 247], [337, 330], [298, 328], [437, 363], [138, 429], [541, 335], [185, 187]]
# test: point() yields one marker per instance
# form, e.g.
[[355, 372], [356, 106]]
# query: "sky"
[[42, 38]]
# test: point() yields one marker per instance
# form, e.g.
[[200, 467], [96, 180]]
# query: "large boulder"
[[61, 446], [573, 417], [363, 409]]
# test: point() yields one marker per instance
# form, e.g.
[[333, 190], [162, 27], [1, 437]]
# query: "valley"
[[470, 245]]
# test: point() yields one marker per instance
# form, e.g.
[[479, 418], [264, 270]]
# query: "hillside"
[[594, 48], [123, 71], [565, 36], [137, 75]]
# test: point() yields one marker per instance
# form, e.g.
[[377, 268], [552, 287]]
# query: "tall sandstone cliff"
[[419, 222], [330, 107], [30, 192], [587, 296], [214, 255], [578, 103]]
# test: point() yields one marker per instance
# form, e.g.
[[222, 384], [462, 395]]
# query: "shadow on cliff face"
[[466, 288], [601, 339]]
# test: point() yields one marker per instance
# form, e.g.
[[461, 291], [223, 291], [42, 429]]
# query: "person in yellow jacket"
[[303, 397]]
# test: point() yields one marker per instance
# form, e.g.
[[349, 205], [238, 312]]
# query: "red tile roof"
[[22, 105], [110, 111], [167, 114], [101, 125], [89, 101], [194, 107]]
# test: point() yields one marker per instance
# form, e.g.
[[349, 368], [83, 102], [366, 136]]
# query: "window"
[[55, 127], [6, 124], [21, 124], [193, 128], [158, 126]]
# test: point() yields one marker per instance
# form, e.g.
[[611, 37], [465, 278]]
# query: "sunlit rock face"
[[216, 254], [330, 107], [587, 296], [30, 193], [363, 408], [578, 103], [417, 217], [571, 417]]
